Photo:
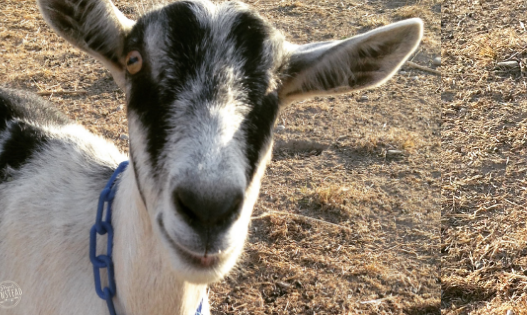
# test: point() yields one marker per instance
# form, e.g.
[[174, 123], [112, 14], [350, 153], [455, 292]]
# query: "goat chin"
[[205, 275], [202, 269]]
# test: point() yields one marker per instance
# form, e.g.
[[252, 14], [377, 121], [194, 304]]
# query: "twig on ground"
[[61, 92], [298, 216], [512, 203], [377, 301], [515, 275], [416, 66]]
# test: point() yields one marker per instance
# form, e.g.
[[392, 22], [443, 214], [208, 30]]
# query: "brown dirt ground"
[[484, 165], [330, 163]]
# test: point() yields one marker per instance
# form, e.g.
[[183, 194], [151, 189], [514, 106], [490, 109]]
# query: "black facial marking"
[[249, 33], [259, 125], [24, 139], [144, 100], [186, 42]]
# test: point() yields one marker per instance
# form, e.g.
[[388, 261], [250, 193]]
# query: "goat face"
[[204, 86], [201, 112]]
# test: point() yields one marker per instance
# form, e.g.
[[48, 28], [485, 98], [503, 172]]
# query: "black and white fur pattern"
[[201, 112]]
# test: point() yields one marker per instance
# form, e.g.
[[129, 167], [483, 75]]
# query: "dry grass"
[[381, 254], [484, 192]]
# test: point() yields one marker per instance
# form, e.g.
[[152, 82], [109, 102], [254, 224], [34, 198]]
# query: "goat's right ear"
[[360, 62], [95, 26]]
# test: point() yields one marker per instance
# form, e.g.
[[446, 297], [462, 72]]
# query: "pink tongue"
[[206, 261]]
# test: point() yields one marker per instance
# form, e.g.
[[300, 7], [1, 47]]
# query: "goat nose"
[[222, 208]]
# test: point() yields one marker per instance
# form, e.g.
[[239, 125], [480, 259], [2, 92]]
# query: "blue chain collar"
[[103, 227]]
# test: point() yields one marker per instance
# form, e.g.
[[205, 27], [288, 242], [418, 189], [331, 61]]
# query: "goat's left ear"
[[360, 62], [95, 26]]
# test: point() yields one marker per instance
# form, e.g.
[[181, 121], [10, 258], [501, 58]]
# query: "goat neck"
[[145, 278]]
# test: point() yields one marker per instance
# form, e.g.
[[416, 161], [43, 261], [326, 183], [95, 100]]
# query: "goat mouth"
[[202, 261]]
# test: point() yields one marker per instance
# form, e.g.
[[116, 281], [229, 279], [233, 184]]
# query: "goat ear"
[[95, 26], [360, 62]]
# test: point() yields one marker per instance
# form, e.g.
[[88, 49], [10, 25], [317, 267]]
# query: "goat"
[[204, 85]]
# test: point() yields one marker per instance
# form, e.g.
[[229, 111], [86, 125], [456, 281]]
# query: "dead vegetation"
[[484, 165], [334, 162]]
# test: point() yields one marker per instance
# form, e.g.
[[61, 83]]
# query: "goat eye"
[[134, 62]]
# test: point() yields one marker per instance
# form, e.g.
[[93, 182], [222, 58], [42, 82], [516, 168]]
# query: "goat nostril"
[[232, 213], [219, 209], [184, 207]]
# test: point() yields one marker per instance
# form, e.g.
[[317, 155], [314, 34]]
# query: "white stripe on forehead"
[[213, 138]]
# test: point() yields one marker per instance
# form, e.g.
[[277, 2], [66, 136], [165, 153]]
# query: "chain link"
[[104, 227]]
